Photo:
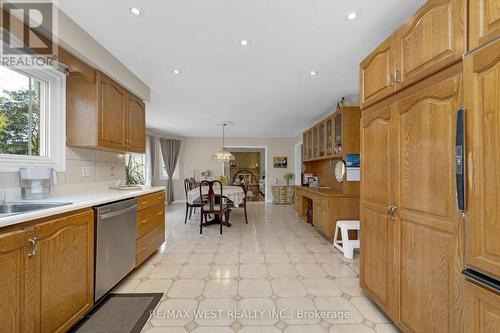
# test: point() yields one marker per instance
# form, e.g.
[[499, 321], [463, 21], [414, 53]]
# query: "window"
[[32, 118], [135, 168], [163, 173]]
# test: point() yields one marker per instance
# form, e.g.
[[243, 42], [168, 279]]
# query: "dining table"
[[235, 194]]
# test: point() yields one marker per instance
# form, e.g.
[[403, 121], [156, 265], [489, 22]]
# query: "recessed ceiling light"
[[353, 15], [176, 71], [137, 11], [313, 73], [245, 42]]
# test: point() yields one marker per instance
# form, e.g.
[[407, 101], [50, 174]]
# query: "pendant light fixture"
[[223, 155]]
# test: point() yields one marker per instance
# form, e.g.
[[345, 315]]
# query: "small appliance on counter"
[[36, 182]]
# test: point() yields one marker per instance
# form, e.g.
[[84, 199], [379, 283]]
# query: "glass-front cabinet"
[[304, 146], [329, 137], [315, 140], [338, 135], [322, 139]]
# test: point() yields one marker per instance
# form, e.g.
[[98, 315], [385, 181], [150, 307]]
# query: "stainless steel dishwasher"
[[115, 236]]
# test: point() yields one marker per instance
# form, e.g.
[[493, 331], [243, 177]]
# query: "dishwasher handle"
[[118, 212]]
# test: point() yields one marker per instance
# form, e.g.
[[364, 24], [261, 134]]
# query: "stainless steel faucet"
[[3, 196]]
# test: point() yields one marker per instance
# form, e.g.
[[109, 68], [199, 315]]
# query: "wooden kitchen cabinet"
[[136, 133], [377, 73], [111, 113], [101, 114], [429, 253], [150, 225], [430, 40], [484, 21], [13, 251], [482, 110], [378, 229], [61, 271], [482, 309]]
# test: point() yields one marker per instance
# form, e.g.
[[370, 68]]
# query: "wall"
[[105, 168], [196, 156]]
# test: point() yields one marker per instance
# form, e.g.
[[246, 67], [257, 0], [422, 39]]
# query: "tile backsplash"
[[83, 167]]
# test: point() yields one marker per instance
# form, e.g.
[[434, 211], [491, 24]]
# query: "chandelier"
[[223, 155]]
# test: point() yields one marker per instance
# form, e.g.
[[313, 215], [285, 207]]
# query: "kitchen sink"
[[25, 207]]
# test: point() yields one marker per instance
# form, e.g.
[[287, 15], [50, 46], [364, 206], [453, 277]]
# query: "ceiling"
[[265, 88]]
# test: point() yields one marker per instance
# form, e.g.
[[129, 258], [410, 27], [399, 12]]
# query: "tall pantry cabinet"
[[415, 243]]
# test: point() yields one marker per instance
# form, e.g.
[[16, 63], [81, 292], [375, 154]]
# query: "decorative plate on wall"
[[340, 171]]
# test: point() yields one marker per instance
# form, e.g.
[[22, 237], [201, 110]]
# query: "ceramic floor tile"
[[165, 271], [259, 329], [343, 311], [302, 258], [339, 270], [194, 271], [288, 288], [261, 311], [251, 258], [310, 270], [221, 288], [201, 258], [224, 271], [226, 258], [186, 288], [222, 317], [277, 258], [386, 328], [219, 329], [154, 286], [255, 288], [349, 286], [167, 313], [298, 311], [305, 329], [321, 287], [282, 271], [369, 310], [253, 271]]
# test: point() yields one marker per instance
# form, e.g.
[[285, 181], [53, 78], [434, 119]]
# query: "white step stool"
[[346, 245]]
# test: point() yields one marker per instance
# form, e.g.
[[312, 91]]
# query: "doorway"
[[298, 164]]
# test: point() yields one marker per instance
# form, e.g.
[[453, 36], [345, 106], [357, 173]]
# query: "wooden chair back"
[[214, 196]]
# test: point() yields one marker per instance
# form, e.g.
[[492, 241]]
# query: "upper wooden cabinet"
[[101, 114], [135, 138], [430, 40], [377, 72], [484, 21], [433, 38], [111, 113], [482, 95]]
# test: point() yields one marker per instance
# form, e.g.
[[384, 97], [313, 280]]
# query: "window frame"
[[55, 125]]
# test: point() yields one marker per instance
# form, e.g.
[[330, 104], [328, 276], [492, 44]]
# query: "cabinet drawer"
[[150, 200], [150, 218], [147, 244]]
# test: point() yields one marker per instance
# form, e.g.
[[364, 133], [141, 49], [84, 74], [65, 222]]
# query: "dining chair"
[[188, 186], [214, 203], [243, 204]]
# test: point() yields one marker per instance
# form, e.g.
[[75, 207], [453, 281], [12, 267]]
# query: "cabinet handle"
[[389, 211], [396, 76], [459, 159], [33, 243], [390, 79], [144, 202], [159, 213], [392, 212], [143, 248], [144, 221]]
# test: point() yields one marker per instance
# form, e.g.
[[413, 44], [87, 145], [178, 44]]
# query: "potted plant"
[[134, 172], [288, 176]]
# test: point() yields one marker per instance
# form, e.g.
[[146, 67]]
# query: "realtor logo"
[[27, 33]]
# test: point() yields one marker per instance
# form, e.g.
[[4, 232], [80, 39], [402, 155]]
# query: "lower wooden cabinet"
[[150, 225], [47, 274], [482, 311], [13, 251]]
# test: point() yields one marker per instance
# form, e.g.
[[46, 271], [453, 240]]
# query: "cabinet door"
[[482, 96], [378, 230], [482, 311], [304, 146], [377, 73], [321, 139], [315, 142], [309, 144], [329, 136], [111, 105], [63, 271], [12, 279], [433, 38], [430, 266], [136, 125], [484, 21]]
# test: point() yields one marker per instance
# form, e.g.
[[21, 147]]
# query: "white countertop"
[[77, 202]]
